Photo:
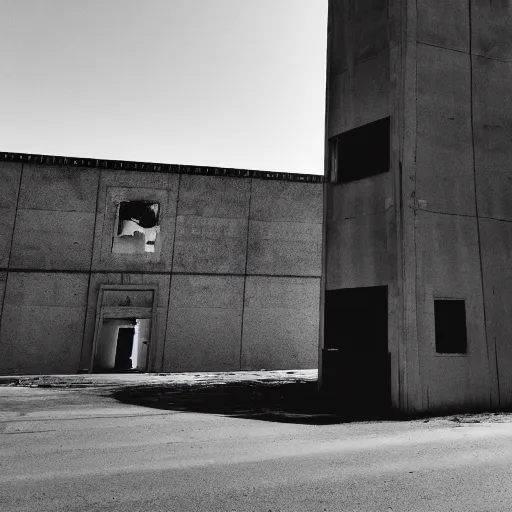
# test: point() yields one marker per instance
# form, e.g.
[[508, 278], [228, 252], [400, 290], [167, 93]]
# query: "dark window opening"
[[137, 227], [450, 320], [361, 152]]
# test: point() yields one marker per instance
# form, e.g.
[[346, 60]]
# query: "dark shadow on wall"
[[297, 402]]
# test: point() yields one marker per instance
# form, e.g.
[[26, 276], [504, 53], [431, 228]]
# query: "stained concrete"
[[212, 196], [68, 189], [358, 198], [491, 29], [449, 267], [281, 201], [10, 175], [359, 96], [437, 226], [493, 125], [205, 323], [215, 231], [357, 252], [497, 269], [283, 248], [278, 313], [444, 168], [42, 323], [218, 245], [444, 24], [52, 240]]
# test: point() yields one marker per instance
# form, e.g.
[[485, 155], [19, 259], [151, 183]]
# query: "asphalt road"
[[81, 450]]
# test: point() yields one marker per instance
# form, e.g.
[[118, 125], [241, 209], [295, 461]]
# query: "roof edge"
[[126, 165]]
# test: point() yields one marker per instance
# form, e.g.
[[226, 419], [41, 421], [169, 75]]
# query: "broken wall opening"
[[137, 227]]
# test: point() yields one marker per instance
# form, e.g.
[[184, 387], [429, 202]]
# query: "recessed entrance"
[[122, 345], [356, 362]]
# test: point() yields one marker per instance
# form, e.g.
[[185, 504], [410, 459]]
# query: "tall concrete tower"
[[417, 274]]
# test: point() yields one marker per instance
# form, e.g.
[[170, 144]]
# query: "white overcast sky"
[[234, 83]]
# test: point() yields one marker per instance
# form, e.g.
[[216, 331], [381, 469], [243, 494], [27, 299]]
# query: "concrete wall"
[[236, 267], [462, 195], [42, 322], [437, 226], [360, 237]]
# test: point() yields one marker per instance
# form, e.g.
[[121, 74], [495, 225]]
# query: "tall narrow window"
[[450, 319], [361, 152]]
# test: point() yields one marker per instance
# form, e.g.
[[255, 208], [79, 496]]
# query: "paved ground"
[[229, 443]]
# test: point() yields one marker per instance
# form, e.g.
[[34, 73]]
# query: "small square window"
[[361, 152], [137, 227], [450, 321]]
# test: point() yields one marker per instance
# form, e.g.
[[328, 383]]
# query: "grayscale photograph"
[[256, 255]]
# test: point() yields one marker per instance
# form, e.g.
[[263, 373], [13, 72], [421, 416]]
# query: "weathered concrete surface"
[[359, 32], [217, 245], [359, 96], [280, 328], [205, 323], [444, 168], [55, 219], [278, 201], [493, 148], [444, 24], [10, 175], [67, 189], [436, 230], [212, 225], [42, 323], [358, 198], [285, 232], [212, 196], [284, 248], [52, 240], [64, 222], [448, 266], [70, 450], [491, 29], [497, 269], [357, 252]]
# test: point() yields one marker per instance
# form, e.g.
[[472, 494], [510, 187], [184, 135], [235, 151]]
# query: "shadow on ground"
[[297, 402]]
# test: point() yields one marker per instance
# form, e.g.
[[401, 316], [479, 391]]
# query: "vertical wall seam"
[[89, 279], [414, 212], [245, 275], [15, 216], [170, 274], [10, 247], [475, 190]]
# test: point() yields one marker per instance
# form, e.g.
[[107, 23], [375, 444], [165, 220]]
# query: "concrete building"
[[417, 288], [117, 266]]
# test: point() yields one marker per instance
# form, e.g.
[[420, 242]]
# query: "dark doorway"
[[356, 363], [124, 349], [122, 345]]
